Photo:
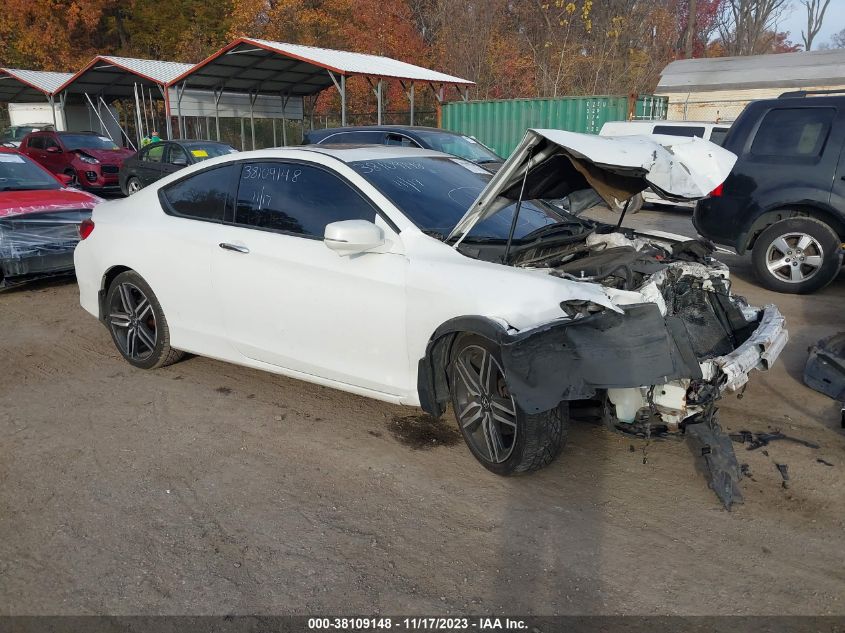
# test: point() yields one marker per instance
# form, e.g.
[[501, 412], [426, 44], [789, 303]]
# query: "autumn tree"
[[749, 27]]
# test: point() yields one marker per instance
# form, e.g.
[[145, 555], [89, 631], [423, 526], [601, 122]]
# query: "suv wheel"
[[133, 185], [798, 256], [499, 434], [74, 181]]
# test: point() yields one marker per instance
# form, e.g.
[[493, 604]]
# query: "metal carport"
[[21, 86], [108, 78], [261, 67]]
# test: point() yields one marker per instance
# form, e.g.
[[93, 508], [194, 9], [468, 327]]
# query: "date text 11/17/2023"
[[417, 624]]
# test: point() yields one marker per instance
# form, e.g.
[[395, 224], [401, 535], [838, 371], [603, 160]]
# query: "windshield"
[[435, 193], [458, 145], [88, 141], [204, 151], [18, 173], [16, 133]]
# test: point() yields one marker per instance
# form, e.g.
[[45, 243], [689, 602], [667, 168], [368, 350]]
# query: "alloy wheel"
[[484, 407], [132, 321], [133, 186], [794, 257]]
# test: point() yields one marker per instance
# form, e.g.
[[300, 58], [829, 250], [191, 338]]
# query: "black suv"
[[785, 197]]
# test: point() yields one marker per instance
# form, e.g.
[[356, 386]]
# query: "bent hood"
[[558, 163], [106, 155]]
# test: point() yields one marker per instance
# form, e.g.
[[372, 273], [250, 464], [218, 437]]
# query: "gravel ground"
[[206, 488]]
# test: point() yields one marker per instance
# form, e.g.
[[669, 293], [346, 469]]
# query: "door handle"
[[234, 247]]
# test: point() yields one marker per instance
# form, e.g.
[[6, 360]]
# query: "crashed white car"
[[411, 276]]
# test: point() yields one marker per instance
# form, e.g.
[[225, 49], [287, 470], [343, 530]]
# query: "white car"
[[413, 277]]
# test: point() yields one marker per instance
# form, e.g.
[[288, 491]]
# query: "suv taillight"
[[717, 192], [86, 227]]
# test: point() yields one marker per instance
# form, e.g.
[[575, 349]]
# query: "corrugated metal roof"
[[159, 71], [248, 64], [44, 81], [115, 77], [349, 63], [782, 70]]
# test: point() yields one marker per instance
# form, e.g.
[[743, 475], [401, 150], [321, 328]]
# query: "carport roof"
[[116, 76], [17, 85], [249, 64]]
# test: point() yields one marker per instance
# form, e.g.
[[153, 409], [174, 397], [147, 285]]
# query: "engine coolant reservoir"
[[627, 402]]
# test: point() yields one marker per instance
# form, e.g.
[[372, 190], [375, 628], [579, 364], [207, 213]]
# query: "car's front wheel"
[[798, 255], [137, 324], [499, 434], [133, 185], [74, 181]]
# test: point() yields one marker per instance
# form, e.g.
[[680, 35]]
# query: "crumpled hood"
[[560, 162], [41, 200], [108, 156]]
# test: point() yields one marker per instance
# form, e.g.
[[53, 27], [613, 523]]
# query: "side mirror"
[[64, 179], [54, 150], [351, 237]]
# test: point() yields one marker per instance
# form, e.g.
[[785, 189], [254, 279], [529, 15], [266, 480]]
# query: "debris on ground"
[[710, 442], [823, 461], [756, 440], [825, 368], [783, 469]]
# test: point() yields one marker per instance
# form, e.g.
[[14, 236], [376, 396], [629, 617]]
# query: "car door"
[[147, 166], [175, 158], [54, 157], [180, 260], [290, 301]]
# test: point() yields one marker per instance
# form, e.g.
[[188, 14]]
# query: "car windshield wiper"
[[557, 227]]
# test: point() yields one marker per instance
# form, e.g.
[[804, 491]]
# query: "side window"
[[176, 155], [154, 153], [361, 137], [49, 142], [202, 196], [399, 140], [679, 130], [296, 198], [35, 142], [718, 134], [786, 133]]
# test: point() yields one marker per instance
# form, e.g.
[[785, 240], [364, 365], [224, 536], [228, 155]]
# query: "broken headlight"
[[578, 308]]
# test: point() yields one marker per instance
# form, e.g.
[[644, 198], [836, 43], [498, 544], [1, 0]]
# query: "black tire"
[[137, 324], [74, 181], [804, 240], [528, 442], [636, 204], [133, 185]]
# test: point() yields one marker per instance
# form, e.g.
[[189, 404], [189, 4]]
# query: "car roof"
[[407, 129], [352, 152]]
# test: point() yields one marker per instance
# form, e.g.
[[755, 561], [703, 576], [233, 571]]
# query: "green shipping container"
[[502, 124]]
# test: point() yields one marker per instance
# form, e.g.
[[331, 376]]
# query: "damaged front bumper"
[[643, 360], [38, 245]]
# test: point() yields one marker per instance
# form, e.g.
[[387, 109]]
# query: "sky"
[[795, 21]]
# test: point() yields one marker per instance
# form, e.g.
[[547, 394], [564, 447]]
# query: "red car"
[[90, 160], [40, 218]]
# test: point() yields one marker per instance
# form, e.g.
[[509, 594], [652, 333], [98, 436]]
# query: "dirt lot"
[[208, 488]]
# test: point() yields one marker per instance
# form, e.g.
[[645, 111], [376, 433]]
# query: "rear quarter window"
[[792, 133], [204, 195], [680, 130]]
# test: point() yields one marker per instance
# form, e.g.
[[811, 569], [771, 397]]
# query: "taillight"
[[717, 192], [86, 227]]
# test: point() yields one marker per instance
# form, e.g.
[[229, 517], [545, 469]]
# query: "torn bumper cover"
[[634, 351], [36, 245]]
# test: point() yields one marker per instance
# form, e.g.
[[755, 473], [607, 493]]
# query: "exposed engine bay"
[[709, 329]]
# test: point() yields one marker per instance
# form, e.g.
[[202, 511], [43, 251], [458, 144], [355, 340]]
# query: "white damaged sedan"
[[414, 277]]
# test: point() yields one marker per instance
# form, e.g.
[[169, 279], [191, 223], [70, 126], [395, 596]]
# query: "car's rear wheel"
[[137, 323], [798, 255], [498, 433], [133, 185]]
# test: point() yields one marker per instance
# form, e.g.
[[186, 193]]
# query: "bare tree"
[[744, 24], [815, 16], [691, 15]]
